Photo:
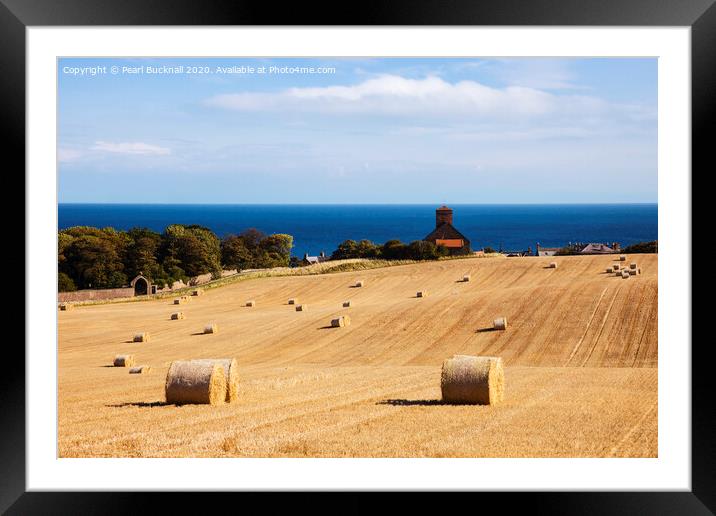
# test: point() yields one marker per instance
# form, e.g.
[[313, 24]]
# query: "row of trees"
[[89, 257], [642, 247], [391, 250]]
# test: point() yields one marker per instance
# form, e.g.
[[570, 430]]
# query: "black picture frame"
[[700, 15]]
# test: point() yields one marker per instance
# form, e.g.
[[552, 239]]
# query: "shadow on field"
[[485, 330], [408, 403], [200, 333], [141, 404], [329, 327]]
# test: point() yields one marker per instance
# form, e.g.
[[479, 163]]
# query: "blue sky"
[[365, 130]]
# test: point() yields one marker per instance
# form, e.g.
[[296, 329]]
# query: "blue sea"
[[318, 228]]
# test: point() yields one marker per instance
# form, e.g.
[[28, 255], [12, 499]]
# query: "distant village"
[[96, 263], [447, 235]]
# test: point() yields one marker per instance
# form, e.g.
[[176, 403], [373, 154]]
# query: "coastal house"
[[546, 251], [445, 233], [600, 249], [310, 260]]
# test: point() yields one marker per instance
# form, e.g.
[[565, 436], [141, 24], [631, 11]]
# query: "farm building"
[[310, 260], [445, 233], [546, 251], [600, 249]]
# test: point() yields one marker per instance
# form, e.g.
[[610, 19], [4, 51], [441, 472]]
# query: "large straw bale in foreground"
[[340, 322], [123, 361], [195, 381], [231, 374], [471, 379], [500, 323], [141, 337]]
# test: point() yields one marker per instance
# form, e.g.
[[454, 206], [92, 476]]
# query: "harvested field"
[[580, 356]]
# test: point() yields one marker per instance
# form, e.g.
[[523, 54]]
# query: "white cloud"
[[392, 94], [131, 148], [543, 73]]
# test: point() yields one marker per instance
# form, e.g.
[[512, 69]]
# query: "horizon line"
[[359, 203]]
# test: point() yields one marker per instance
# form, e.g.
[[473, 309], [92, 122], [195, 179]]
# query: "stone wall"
[[111, 293], [90, 295]]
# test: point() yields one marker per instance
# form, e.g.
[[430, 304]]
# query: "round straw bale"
[[346, 304], [610, 270], [340, 322], [552, 265], [632, 272], [500, 323], [141, 337], [66, 306], [638, 271], [195, 381], [292, 301], [473, 380], [359, 283], [142, 369], [251, 303], [177, 315], [622, 257], [466, 277], [625, 275], [123, 361], [422, 293], [632, 265], [178, 301], [231, 374], [197, 292], [301, 308], [615, 266], [211, 328]]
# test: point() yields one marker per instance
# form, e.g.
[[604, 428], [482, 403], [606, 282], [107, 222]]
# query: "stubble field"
[[580, 354]]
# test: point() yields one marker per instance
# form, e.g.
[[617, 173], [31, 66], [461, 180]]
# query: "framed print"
[[410, 248]]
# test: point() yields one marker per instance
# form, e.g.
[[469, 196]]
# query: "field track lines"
[[373, 389], [601, 327], [633, 428], [586, 328]]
